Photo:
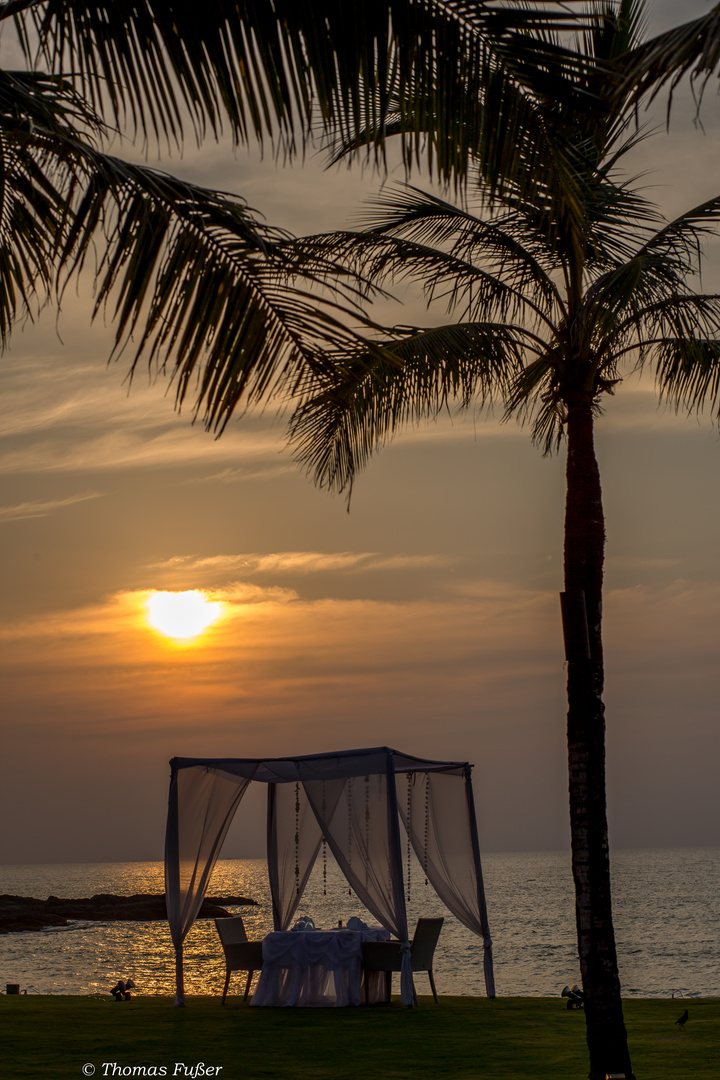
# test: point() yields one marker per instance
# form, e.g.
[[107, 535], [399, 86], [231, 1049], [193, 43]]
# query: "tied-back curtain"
[[202, 804], [438, 812], [294, 838], [364, 838]]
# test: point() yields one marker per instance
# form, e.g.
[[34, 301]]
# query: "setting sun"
[[181, 614]]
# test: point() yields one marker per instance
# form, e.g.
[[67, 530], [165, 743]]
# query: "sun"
[[181, 614]]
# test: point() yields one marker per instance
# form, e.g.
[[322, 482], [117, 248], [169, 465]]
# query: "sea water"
[[666, 909]]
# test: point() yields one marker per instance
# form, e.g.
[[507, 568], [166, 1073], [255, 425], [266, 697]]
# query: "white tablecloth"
[[318, 967]]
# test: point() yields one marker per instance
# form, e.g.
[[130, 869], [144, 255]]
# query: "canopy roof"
[[338, 764], [353, 800]]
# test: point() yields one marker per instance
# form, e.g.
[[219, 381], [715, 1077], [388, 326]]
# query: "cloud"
[[234, 476], [124, 448], [299, 562], [241, 593], [42, 508], [86, 419]]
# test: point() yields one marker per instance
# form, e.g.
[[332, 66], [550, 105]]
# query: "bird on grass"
[[682, 1020]]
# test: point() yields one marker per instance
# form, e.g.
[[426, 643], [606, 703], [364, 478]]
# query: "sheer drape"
[[363, 835], [202, 804], [439, 815], [294, 839]]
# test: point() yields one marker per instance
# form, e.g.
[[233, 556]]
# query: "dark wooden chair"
[[240, 954], [386, 955]]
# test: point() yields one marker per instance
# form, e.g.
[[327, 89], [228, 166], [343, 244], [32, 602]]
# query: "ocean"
[[666, 906]]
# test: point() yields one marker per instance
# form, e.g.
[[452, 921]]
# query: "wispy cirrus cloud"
[[125, 449], [88, 418], [247, 472], [41, 508], [300, 562]]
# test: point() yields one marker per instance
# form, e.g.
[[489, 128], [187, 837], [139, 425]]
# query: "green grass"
[[51, 1038]]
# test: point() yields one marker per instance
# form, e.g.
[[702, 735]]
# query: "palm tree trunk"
[[584, 557]]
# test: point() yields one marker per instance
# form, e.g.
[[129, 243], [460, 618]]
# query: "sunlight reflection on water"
[[667, 915]]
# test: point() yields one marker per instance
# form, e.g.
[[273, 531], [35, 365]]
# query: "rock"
[[26, 913]]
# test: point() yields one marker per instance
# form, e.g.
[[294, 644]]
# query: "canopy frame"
[[351, 800]]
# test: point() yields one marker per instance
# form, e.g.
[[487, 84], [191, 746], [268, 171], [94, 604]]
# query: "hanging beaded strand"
[[297, 838], [324, 843], [367, 828], [408, 776], [427, 824]]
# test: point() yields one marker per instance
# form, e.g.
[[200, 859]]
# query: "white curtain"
[[439, 814], [202, 804], [294, 838], [358, 816]]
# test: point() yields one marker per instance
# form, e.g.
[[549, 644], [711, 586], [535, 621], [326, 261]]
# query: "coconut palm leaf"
[[465, 289], [38, 167], [200, 285], [258, 63], [645, 290], [31, 212], [185, 272], [351, 410], [693, 49], [452, 78], [688, 373], [258, 67]]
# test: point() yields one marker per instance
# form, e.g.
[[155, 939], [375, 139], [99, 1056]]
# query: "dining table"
[[319, 968]]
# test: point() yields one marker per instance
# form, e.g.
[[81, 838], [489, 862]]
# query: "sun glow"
[[181, 614]]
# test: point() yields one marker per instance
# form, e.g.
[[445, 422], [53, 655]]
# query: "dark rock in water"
[[26, 913]]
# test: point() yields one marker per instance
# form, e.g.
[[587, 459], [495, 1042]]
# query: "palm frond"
[[38, 169], [692, 48], [197, 284], [259, 63], [354, 408], [533, 395], [687, 372], [691, 317], [468, 291], [657, 270], [682, 237], [415, 234]]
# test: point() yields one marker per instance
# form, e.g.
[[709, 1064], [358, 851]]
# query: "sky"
[[426, 618]]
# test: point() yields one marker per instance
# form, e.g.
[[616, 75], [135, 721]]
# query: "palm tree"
[[192, 276], [548, 320]]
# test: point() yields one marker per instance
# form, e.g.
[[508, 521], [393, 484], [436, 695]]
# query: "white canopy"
[[355, 800]]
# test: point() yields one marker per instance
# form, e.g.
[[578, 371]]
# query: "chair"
[[386, 955], [240, 954]]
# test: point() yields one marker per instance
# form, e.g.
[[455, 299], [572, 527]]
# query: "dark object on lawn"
[[575, 997], [121, 991], [682, 1020]]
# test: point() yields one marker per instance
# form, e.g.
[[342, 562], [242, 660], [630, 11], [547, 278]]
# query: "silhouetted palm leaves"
[[191, 275]]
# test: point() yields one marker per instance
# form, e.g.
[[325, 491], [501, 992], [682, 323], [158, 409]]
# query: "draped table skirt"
[[318, 968]]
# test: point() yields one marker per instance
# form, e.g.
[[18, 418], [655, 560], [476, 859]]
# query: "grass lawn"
[[45, 1038]]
